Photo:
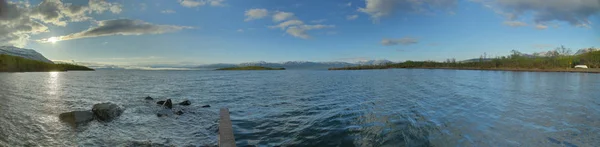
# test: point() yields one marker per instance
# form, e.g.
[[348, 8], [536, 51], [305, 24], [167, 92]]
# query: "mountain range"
[[297, 64]]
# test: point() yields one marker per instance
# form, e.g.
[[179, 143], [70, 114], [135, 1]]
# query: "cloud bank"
[[543, 12], [19, 20], [378, 9]]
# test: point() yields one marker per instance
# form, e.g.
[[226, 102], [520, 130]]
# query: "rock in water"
[[160, 102], [76, 117], [168, 104], [107, 111], [149, 98], [206, 106], [179, 112], [185, 103]]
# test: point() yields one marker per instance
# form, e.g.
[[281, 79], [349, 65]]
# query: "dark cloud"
[[574, 12], [122, 27]]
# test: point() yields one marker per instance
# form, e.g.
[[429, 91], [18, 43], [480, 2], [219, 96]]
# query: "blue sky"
[[234, 31]]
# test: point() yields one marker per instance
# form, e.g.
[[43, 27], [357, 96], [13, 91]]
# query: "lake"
[[396, 107]]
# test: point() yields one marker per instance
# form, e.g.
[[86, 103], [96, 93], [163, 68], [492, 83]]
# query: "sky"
[[236, 31]]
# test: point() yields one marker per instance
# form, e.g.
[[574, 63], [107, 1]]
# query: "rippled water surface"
[[400, 107]]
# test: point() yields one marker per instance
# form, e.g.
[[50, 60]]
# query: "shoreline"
[[571, 70]]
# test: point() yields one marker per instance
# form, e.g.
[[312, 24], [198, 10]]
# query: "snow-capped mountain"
[[25, 53], [585, 50], [299, 64]]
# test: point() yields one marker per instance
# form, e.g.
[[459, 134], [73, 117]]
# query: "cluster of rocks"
[[168, 104], [103, 112]]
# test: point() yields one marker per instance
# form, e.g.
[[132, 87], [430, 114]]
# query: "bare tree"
[[562, 51], [515, 53]]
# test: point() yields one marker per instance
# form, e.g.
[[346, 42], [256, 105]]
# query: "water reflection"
[[53, 83]]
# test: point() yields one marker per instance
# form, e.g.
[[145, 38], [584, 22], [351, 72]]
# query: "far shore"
[[576, 70]]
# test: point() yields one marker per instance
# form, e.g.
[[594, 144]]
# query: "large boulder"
[[107, 111], [76, 117], [166, 103]]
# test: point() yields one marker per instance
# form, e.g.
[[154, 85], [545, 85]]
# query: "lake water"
[[398, 107]]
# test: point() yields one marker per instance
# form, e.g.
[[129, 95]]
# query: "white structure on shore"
[[581, 66]]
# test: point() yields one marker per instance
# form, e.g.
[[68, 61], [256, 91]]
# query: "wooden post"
[[226, 138]]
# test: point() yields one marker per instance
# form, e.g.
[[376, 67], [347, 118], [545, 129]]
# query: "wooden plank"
[[226, 138]]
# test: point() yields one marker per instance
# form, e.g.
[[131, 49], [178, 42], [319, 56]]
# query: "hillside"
[[25, 53], [9, 63]]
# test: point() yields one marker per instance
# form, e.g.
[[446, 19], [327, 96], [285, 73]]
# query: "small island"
[[250, 68], [9, 63]]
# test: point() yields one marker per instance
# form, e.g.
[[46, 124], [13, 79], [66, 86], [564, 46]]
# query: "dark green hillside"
[[10, 63]]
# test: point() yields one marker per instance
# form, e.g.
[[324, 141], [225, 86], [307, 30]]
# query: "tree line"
[[559, 58]]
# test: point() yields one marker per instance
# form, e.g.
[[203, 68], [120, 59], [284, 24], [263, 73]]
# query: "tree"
[[562, 51], [515, 53]]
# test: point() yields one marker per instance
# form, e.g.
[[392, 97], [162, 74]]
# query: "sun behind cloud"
[[53, 39]]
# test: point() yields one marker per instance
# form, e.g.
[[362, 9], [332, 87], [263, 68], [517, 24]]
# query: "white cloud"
[[240, 30], [351, 17], [99, 6], [281, 16], [378, 9], [403, 41], [515, 23], [574, 12], [541, 27], [288, 23], [349, 4], [191, 3], [121, 27], [300, 31], [253, 14], [197, 3], [168, 11]]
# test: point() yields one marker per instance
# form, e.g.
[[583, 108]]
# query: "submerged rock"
[[149, 98], [179, 112], [185, 103], [160, 102], [76, 117], [206, 106], [107, 111]]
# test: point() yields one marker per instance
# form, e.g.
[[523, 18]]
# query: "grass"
[[250, 68], [10, 63]]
